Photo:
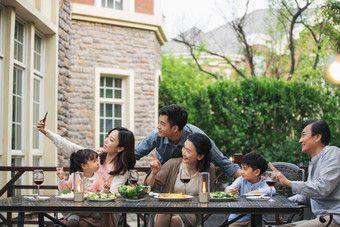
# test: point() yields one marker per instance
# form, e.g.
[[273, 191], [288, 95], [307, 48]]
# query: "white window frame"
[[21, 179], [22, 66], [38, 151], [127, 101], [128, 5], [42, 60], [39, 75], [2, 40]]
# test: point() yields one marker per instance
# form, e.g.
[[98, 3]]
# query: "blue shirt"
[[166, 150], [244, 187]]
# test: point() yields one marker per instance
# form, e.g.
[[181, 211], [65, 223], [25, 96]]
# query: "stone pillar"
[[65, 23]]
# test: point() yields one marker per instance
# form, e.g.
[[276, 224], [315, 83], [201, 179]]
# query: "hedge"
[[260, 114]]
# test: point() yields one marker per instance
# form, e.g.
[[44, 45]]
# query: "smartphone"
[[45, 117]]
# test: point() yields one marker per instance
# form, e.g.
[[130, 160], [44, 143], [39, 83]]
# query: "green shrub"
[[260, 114]]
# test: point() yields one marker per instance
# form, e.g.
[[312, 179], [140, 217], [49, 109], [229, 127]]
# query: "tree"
[[196, 48], [178, 78], [330, 19], [290, 13], [293, 50]]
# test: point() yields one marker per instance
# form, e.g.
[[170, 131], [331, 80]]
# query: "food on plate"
[[133, 192], [172, 195], [102, 195], [66, 193], [221, 194]]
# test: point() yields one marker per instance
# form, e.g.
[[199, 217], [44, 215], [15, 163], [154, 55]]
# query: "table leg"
[[202, 220], [21, 219], [256, 220], [146, 216], [41, 219]]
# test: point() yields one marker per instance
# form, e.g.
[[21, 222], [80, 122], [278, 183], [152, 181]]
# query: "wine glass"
[[270, 179], [133, 177], [185, 177], [38, 178]]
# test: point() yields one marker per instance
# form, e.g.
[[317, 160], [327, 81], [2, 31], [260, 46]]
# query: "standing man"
[[169, 137], [322, 189]]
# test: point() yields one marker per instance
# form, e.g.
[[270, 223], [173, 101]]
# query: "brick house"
[[92, 64]]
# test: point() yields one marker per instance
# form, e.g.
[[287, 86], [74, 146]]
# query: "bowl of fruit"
[[133, 193]]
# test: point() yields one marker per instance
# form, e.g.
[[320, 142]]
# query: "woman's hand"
[[280, 178], [41, 126], [106, 188], [155, 165]]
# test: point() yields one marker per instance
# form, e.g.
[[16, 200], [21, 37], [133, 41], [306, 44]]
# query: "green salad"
[[101, 195], [222, 195], [133, 192], [65, 192]]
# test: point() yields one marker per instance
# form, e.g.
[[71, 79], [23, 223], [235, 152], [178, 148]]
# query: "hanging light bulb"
[[333, 70]]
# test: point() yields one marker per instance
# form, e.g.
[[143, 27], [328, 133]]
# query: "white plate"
[[258, 197], [152, 194], [36, 198], [65, 197], [101, 200], [249, 194], [135, 200], [173, 199], [227, 199]]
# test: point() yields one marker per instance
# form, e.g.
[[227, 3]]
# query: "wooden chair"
[[291, 172]]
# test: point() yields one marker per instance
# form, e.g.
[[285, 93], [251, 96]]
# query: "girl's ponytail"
[[81, 157]]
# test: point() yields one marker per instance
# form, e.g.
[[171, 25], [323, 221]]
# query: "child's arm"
[[233, 191], [235, 187], [256, 192], [62, 184]]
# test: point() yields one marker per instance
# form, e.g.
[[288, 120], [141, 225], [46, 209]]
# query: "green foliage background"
[[252, 114]]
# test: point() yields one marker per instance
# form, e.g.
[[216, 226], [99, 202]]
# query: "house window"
[[114, 101], [18, 87], [17, 109], [37, 91], [112, 4], [110, 105], [37, 52], [16, 161], [19, 42], [36, 111], [2, 38]]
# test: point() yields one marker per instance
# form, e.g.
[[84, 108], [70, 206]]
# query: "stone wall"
[[64, 71], [102, 45]]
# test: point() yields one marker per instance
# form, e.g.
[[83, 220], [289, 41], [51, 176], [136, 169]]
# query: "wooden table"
[[150, 205]]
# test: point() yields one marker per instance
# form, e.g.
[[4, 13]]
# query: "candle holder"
[[204, 188], [78, 186]]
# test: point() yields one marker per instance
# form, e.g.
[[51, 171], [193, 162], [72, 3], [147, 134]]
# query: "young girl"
[[87, 161]]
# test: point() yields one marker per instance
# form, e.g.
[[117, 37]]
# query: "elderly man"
[[169, 137], [322, 189]]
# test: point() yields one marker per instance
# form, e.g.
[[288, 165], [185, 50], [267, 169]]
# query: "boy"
[[252, 167]]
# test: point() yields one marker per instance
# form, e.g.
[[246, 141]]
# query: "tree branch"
[[191, 48]]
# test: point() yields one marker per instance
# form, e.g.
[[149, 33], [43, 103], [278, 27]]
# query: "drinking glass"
[[133, 177], [185, 177], [38, 178], [270, 179]]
